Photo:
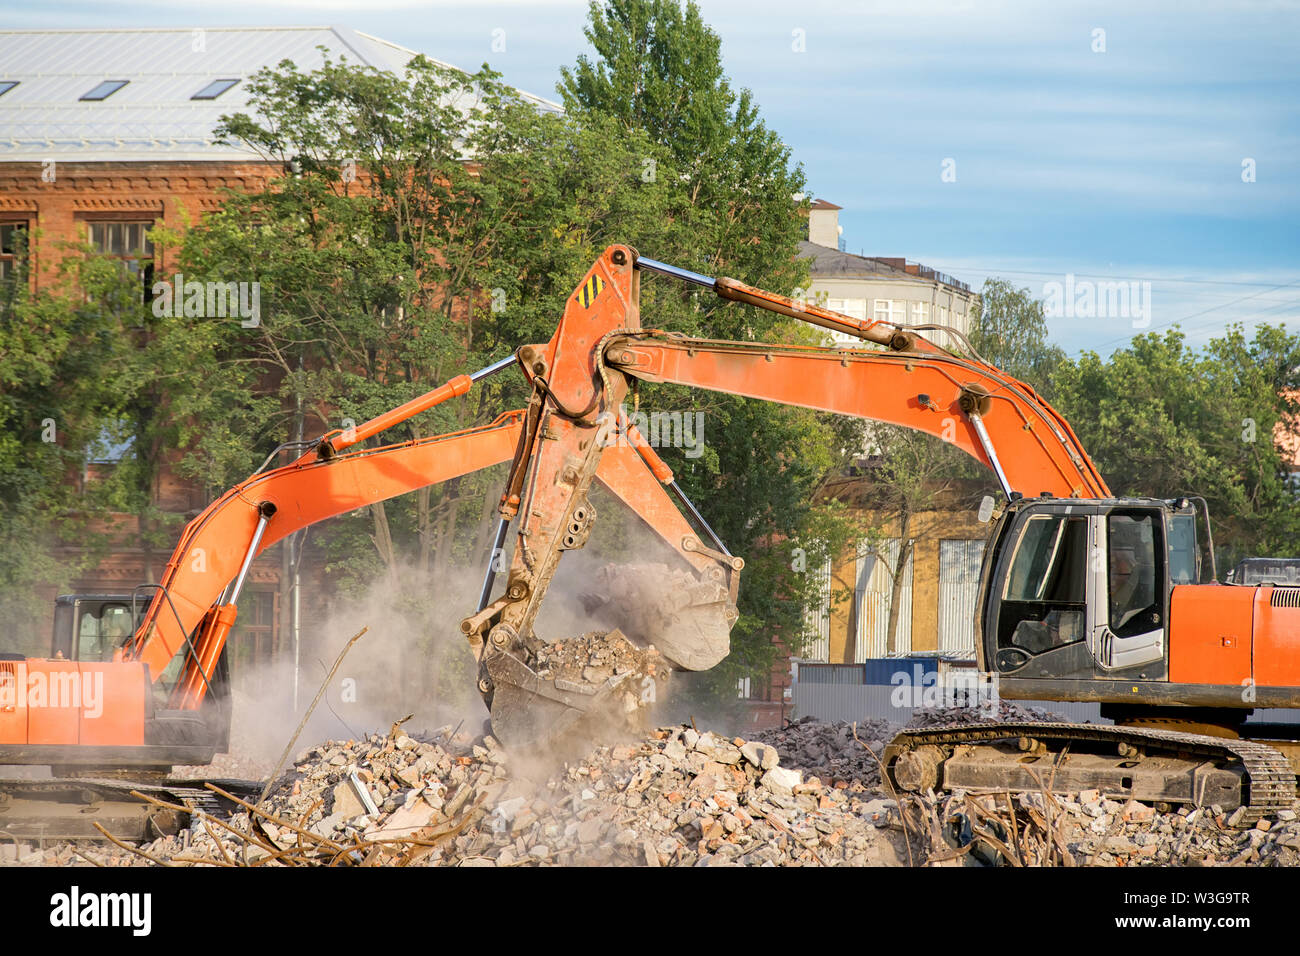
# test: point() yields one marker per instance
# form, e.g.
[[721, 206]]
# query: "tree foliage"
[[1008, 328], [71, 383], [1162, 419], [736, 204]]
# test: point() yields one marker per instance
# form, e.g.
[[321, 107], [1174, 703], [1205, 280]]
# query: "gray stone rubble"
[[808, 794]]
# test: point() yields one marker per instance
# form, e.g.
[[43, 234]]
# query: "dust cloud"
[[415, 661]]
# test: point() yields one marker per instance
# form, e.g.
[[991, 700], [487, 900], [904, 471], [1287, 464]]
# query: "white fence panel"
[[959, 578], [872, 597]]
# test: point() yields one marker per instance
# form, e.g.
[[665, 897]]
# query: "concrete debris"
[[591, 658], [829, 751], [1006, 711], [1056, 830], [808, 794]]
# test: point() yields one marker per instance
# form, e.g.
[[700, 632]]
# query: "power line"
[[993, 272], [1193, 315]]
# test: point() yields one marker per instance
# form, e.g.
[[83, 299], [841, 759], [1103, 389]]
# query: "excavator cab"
[[90, 627], [1080, 590]]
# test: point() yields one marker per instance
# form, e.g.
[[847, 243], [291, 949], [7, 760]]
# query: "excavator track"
[[68, 808], [1157, 766]]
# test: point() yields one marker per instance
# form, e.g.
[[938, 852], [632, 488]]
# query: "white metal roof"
[[153, 116]]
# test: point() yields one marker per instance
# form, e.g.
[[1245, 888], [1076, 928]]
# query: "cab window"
[[1136, 574], [1182, 549], [102, 631], [1043, 600]]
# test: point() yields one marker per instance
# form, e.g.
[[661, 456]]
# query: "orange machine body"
[[1244, 636], [46, 703], [58, 711], [214, 544]]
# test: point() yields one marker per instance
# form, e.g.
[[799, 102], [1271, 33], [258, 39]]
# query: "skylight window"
[[104, 90], [6, 86], [213, 89]]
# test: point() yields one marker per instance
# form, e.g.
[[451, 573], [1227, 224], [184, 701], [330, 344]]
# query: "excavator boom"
[[580, 378], [1084, 596]]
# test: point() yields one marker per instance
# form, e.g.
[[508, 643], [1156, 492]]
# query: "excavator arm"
[[580, 378], [1003, 427], [195, 605]]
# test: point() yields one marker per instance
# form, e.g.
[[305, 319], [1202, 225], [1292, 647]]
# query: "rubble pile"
[[226, 767], [678, 797], [1007, 711], [808, 794], [1038, 829], [829, 750], [592, 658]]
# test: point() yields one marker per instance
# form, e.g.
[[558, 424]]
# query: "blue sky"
[[1125, 163]]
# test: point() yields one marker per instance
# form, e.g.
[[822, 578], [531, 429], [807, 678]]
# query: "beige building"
[[878, 288], [940, 581], [938, 595]]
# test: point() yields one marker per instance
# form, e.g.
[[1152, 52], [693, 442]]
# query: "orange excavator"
[[1083, 597], [160, 696]]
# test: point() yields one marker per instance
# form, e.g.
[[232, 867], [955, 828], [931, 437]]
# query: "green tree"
[[657, 69], [1008, 328], [71, 383], [1162, 419]]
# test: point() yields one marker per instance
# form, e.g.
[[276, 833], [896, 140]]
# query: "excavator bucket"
[[653, 620], [686, 619], [598, 684]]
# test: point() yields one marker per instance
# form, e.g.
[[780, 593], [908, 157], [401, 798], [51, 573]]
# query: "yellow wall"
[[928, 529]]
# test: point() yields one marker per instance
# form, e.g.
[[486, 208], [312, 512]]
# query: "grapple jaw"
[[688, 619], [596, 685], [651, 620]]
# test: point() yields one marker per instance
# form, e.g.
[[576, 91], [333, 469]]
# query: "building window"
[[817, 617], [124, 239], [104, 90], [253, 643], [129, 242], [959, 578], [873, 595], [13, 250], [213, 89], [112, 445], [920, 313], [890, 310], [854, 308]]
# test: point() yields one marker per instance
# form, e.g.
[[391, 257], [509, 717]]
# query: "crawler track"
[[68, 808], [1145, 764]]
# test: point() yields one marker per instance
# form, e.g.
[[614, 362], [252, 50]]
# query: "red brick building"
[[121, 139]]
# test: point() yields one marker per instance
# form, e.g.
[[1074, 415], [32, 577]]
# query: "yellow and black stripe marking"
[[590, 289]]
